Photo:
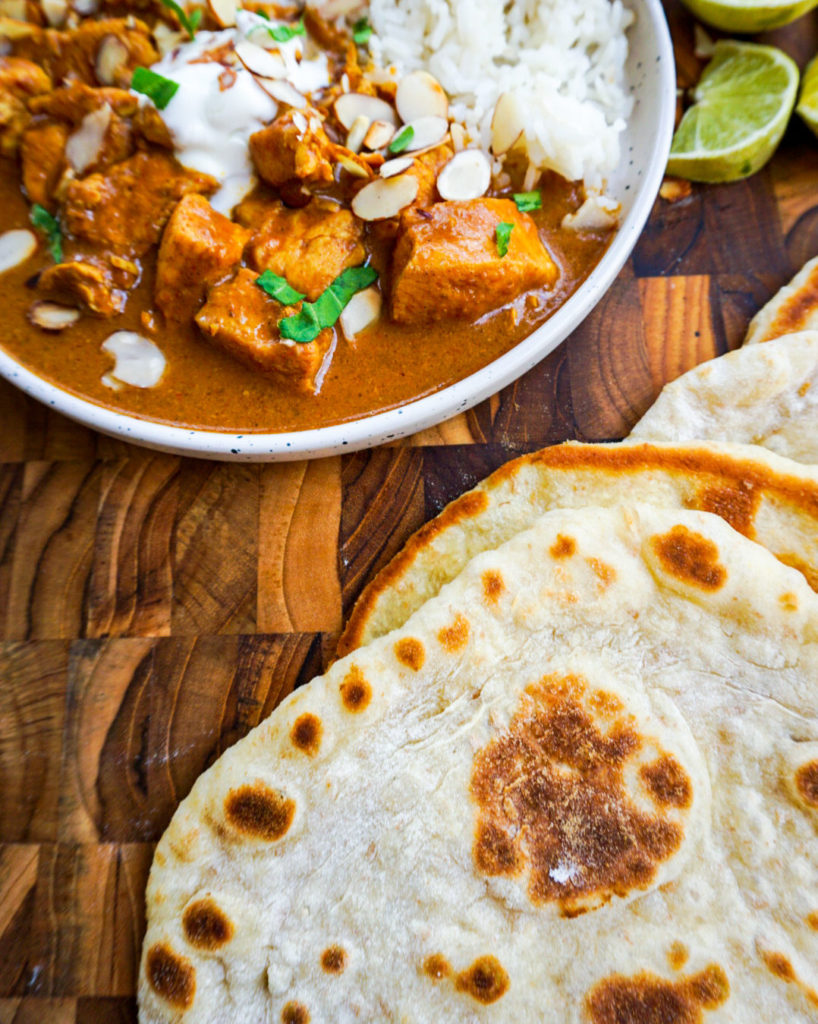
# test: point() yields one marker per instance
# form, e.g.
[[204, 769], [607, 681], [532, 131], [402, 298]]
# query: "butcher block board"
[[154, 608]]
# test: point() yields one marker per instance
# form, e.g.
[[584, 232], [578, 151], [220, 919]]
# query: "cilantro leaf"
[[160, 89], [314, 317], [527, 201], [277, 288], [402, 139], [189, 22], [361, 31], [502, 235], [284, 33], [50, 227]]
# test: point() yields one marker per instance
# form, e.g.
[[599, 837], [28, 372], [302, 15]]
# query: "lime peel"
[[746, 16]]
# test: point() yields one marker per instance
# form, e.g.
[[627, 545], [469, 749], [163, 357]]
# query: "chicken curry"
[[226, 219]]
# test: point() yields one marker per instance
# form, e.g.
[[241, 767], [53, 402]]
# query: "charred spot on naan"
[[648, 999], [779, 965], [690, 558], [563, 547], [812, 920], [173, 977], [486, 980], [410, 652], [205, 925], [260, 812], [356, 693], [736, 503], [306, 733], [678, 955], [493, 586], [806, 783], [809, 572], [436, 967], [334, 960], [295, 1013], [553, 798], [453, 638]]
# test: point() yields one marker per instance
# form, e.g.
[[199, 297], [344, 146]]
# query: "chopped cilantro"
[[307, 324], [528, 201], [278, 288], [361, 31], [50, 227], [160, 89], [284, 33], [402, 139], [189, 22], [503, 234]]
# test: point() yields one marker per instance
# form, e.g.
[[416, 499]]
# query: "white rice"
[[564, 61]]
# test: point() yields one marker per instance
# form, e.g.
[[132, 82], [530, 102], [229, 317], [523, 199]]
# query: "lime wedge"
[[741, 108], [748, 16], [808, 100]]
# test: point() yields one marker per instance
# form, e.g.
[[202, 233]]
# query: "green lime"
[[748, 16], [741, 108], [808, 100]]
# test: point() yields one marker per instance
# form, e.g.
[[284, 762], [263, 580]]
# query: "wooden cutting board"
[[153, 609]]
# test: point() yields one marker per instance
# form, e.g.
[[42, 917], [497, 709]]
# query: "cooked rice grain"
[[563, 59]]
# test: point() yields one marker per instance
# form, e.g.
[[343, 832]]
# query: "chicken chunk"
[[74, 54], [283, 150], [125, 208], [199, 247], [42, 155], [19, 81], [446, 261], [84, 284], [310, 246], [73, 101], [243, 320]]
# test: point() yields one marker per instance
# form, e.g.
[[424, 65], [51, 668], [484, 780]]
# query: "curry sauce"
[[203, 387]]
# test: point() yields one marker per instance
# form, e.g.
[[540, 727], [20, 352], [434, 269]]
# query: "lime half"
[[741, 108], [748, 16], [808, 100]]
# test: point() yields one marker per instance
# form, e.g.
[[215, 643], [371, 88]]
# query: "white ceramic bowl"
[[645, 146]]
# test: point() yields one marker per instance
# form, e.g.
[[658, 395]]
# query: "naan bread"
[[767, 498], [793, 308], [761, 394], [580, 785]]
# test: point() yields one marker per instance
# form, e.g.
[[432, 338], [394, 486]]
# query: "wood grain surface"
[[153, 608]]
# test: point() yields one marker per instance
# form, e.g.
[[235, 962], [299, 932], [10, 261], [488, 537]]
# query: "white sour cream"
[[139, 362], [211, 125]]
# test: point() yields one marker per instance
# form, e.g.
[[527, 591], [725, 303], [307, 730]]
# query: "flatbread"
[[580, 785], [760, 394], [772, 500], [793, 308]]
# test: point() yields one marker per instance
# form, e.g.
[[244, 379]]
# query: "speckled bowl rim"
[[651, 72]]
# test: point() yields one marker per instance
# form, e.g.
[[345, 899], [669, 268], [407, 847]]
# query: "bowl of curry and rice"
[[266, 232]]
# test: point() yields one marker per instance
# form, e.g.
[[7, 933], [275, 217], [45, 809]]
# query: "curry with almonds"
[[312, 278]]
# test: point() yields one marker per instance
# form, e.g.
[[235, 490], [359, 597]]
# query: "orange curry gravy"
[[386, 366]]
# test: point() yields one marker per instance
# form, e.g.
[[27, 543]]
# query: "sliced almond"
[[85, 144], [352, 105], [426, 133], [53, 317], [15, 247], [357, 133], [466, 176], [507, 123], [224, 12], [112, 57], [166, 38], [597, 213], [55, 11], [15, 9], [385, 197], [84, 8], [260, 61], [357, 170], [421, 95], [362, 310], [283, 92], [396, 166], [300, 122], [12, 29], [380, 134], [458, 134], [139, 362]]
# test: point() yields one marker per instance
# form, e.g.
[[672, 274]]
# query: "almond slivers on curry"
[[248, 218]]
